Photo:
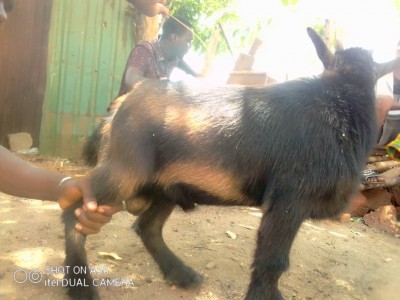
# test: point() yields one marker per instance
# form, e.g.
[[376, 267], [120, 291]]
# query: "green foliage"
[[397, 4], [242, 34], [289, 2], [204, 16]]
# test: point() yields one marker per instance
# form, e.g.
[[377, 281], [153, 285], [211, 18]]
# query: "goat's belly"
[[213, 181], [194, 195]]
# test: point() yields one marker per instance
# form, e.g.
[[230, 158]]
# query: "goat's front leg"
[[149, 227], [79, 282], [277, 231]]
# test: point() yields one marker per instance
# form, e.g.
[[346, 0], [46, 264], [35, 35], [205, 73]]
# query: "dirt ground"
[[329, 259]]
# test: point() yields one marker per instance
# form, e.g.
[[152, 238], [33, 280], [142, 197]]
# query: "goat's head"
[[353, 63]]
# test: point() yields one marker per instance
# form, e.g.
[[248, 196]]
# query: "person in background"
[[387, 100], [156, 59], [20, 178], [388, 121]]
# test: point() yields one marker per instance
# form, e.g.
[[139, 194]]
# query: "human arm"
[[21, 179], [140, 65], [151, 8], [132, 76], [186, 68]]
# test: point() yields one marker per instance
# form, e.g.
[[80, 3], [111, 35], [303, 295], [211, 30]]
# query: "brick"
[[396, 199], [377, 198], [384, 218], [358, 205]]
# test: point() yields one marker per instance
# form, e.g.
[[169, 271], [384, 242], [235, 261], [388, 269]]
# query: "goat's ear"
[[324, 54], [385, 68], [339, 45]]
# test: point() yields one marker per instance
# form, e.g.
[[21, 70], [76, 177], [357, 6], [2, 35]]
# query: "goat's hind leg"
[[149, 227], [80, 283]]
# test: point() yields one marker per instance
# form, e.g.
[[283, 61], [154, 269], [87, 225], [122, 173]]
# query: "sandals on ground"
[[367, 174]]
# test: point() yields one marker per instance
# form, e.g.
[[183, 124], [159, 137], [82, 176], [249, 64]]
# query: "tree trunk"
[[145, 28], [210, 55]]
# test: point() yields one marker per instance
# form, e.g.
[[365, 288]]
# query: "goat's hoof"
[[184, 277], [277, 295], [272, 294], [83, 293]]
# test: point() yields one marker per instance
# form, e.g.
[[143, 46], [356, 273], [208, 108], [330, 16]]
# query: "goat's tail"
[[91, 148], [96, 143], [77, 277]]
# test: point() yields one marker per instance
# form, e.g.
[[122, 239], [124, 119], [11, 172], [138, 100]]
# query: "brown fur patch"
[[163, 107], [189, 120], [207, 178]]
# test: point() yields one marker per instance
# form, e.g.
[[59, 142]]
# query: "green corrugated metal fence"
[[89, 43]]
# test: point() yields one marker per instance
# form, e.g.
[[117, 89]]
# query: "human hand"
[[151, 8], [90, 222], [90, 216]]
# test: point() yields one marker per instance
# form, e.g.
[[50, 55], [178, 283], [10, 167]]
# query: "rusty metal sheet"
[[23, 57]]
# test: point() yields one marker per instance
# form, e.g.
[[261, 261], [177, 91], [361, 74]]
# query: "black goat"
[[295, 149]]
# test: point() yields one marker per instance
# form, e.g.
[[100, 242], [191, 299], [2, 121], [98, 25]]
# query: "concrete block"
[[20, 141]]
